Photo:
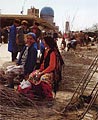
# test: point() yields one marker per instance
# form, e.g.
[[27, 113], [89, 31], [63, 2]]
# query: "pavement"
[[5, 56]]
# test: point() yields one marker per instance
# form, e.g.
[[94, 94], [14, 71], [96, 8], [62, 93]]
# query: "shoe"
[[9, 86]]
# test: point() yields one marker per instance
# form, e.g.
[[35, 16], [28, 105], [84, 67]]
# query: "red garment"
[[27, 92], [47, 89], [52, 63], [41, 91]]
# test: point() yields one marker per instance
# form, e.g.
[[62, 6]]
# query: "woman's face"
[[30, 40], [45, 44]]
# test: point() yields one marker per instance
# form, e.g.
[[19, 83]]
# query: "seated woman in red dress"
[[45, 73]]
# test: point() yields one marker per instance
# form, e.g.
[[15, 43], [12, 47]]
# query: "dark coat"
[[30, 60], [12, 46]]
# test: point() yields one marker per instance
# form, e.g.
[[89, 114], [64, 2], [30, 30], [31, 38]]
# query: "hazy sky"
[[81, 13]]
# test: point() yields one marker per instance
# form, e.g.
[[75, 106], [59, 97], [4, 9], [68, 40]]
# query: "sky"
[[81, 14]]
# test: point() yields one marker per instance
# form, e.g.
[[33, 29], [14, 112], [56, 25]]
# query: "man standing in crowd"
[[12, 46], [21, 33]]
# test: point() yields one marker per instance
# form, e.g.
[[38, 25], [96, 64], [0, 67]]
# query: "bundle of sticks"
[[10, 97]]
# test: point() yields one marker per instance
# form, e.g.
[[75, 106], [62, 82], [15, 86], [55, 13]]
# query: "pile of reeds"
[[10, 97]]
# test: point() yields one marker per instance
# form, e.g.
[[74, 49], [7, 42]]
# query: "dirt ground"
[[16, 107]]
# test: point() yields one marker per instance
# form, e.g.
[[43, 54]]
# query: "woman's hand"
[[34, 73], [38, 74]]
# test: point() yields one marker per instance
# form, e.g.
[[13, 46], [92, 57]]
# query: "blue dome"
[[48, 11]]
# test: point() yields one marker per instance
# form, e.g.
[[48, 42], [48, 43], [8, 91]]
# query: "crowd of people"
[[40, 76], [72, 38]]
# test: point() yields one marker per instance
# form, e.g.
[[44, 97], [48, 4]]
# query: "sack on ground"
[[25, 84]]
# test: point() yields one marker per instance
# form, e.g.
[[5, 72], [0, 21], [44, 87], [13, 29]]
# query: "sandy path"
[[5, 56]]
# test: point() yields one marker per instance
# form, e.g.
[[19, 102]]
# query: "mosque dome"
[[47, 11]]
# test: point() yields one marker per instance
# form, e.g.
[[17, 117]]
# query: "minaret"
[[67, 27]]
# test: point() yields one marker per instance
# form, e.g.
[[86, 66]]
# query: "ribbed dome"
[[48, 11]]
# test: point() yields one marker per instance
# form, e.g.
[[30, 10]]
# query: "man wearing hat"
[[21, 33]]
